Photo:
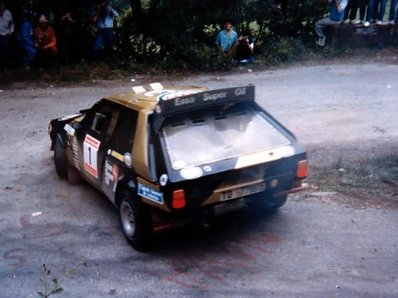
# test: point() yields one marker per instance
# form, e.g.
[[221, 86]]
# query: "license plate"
[[242, 191]]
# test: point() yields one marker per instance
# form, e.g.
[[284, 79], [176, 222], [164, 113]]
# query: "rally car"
[[166, 156]]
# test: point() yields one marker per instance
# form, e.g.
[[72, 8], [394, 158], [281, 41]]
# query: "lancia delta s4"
[[167, 156]]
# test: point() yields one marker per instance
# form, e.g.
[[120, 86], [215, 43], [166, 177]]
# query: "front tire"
[[135, 222], [60, 161]]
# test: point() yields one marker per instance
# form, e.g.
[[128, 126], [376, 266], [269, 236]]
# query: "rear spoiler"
[[168, 105]]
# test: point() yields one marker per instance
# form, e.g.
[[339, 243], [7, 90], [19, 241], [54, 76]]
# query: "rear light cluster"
[[302, 169], [178, 201]]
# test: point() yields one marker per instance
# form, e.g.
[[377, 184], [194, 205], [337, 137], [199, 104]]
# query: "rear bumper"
[[303, 186]]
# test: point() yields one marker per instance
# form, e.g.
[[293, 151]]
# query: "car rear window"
[[218, 134]]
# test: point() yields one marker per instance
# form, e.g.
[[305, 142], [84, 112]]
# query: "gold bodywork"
[[144, 102]]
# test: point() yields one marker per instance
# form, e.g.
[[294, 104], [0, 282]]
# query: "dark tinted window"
[[123, 135], [104, 118]]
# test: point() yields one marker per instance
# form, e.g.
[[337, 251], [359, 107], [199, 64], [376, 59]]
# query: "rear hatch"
[[227, 152]]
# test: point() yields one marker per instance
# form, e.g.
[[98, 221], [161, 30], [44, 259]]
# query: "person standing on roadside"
[[227, 38], [336, 16], [67, 27], [25, 39], [104, 18], [6, 29]]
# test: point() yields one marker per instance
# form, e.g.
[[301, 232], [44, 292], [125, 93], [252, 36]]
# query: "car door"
[[94, 137], [119, 149]]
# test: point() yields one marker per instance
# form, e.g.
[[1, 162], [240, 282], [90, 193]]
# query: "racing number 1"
[[90, 148]]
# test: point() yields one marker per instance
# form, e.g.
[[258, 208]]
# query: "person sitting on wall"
[[245, 48], [336, 16], [227, 38], [45, 41]]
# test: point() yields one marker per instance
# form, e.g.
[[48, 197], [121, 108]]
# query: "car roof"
[[147, 98]]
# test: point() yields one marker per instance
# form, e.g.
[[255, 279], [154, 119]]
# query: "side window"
[[105, 120], [124, 132]]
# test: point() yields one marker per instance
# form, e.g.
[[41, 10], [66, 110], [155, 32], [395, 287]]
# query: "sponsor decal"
[[191, 173], [240, 91], [214, 96], [174, 101], [117, 155], [180, 93], [184, 101], [207, 168], [69, 129], [68, 117], [90, 150], [111, 175], [75, 154], [163, 179], [150, 193]]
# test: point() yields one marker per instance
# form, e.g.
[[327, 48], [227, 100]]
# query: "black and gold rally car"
[[166, 156]]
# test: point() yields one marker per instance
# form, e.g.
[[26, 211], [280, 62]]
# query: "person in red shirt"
[[45, 41]]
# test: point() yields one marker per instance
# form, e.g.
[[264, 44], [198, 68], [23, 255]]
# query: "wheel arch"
[[125, 185], [62, 138]]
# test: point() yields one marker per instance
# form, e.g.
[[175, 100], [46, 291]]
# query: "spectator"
[[104, 17], [227, 38], [352, 12], [245, 47], [6, 29], [45, 42], [336, 16], [66, 36], [392, 17], [375, 12], [25, 39], [381, 5], [350, 5]]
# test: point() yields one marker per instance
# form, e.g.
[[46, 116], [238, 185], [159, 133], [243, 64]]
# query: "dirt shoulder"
[[359, 175]]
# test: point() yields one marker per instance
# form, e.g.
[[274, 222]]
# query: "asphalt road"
[[312, 247]]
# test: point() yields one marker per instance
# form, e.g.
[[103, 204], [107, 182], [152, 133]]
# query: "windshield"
[[225, 132]]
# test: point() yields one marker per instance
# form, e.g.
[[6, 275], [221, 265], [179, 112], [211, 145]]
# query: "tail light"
[[178, 201], [302, 169]]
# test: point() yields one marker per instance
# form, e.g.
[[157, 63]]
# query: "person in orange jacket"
[[45, 41]]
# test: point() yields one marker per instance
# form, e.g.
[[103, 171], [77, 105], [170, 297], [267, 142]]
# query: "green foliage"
[[283, 50], [181, 33]]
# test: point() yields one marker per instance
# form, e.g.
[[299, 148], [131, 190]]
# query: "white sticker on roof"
[[179, 93], [138, 89], [156, 86]]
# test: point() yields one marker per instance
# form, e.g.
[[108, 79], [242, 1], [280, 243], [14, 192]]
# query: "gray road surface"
[[310, 248]]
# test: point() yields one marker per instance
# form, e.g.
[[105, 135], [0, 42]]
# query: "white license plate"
[[242, 191]]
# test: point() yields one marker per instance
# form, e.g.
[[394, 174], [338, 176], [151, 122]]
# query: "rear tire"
[[277, 202], [136, 223], [60, 162], [269, 203]]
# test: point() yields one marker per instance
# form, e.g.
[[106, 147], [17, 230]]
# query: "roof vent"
[[156, 86], [138, 89]]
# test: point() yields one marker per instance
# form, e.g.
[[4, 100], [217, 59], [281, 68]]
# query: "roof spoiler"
[[168, 105]]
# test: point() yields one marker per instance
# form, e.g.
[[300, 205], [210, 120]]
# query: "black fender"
[[125, 184]]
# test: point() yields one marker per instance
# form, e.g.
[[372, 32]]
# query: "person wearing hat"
[[45, 41], [6, 29]]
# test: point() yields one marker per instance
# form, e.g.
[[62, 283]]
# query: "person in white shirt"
[[6, 29]]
